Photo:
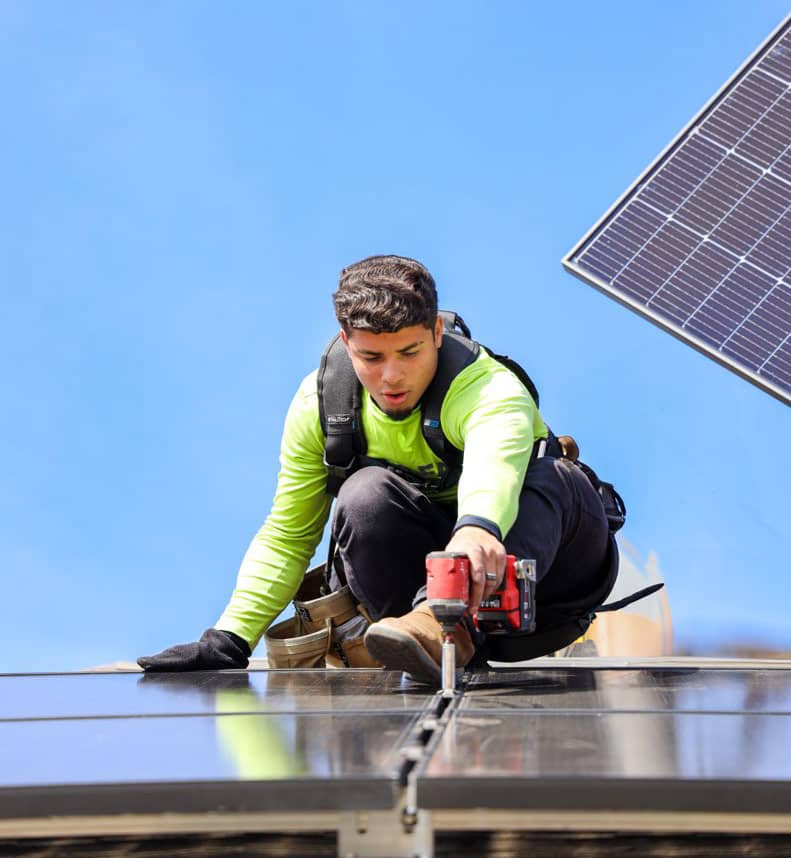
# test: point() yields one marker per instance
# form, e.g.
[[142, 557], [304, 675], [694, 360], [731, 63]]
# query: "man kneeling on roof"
[[428, 442]]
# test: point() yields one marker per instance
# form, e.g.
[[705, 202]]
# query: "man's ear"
[[438, 328], [344, 338]]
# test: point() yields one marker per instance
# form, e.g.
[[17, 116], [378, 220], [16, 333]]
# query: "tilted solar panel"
[[701, 243]]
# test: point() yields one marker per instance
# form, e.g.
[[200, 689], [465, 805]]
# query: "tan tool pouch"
[[327, 631], [287, 646]]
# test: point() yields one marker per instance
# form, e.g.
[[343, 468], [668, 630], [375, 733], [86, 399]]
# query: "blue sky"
[[182, 183]]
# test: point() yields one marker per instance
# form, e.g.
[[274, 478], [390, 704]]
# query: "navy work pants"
[[384, 528]]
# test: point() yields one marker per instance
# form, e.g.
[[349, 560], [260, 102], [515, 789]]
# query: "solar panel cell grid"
[[693, 283], [782, 167], [773, 251], [778, 367], [778, 59], [717, 318], [713, 201], [754, 218], [679, 178], [758, 99], [702, 243]]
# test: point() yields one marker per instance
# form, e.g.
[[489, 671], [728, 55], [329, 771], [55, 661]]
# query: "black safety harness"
[[340, 404]]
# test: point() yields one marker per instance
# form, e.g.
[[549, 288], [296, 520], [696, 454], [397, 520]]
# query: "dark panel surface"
[[647, 690], [701, 244], [680, 737], [615, 760], [121, 694], [577, 738], [263, 761]]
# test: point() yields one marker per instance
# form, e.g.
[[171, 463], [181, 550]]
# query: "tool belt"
[[325, 631]]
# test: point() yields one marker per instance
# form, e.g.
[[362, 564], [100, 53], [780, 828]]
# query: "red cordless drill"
[[511, 608]]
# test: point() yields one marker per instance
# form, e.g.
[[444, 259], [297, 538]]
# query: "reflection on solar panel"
[[701, 243], [114, 763]]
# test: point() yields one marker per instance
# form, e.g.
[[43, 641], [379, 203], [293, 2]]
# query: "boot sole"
[[395, 650]]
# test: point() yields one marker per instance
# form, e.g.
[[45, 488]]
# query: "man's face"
[[395, 368]]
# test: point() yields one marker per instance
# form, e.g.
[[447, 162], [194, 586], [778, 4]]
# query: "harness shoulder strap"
[[455, 353], [518, 370], [458, 351], [340, 401], [454, 322]]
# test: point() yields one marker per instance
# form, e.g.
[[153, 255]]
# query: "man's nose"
[[392, 372]]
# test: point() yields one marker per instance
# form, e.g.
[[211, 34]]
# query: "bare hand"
[[487, 554]]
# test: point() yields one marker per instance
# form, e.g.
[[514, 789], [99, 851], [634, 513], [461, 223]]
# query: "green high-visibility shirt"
[[487, 413]]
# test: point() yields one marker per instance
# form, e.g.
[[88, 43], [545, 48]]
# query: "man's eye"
[[410, 354], [372, 359]]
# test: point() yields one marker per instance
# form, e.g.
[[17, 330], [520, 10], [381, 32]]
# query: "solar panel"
[[552, 745], [701, 243], [612, 740], [210, 741]]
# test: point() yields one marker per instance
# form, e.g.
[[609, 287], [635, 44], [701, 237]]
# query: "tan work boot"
[[413, 643]]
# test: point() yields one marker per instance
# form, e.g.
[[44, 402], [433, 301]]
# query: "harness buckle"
[[338, 469], [411, 477], [337, 474]]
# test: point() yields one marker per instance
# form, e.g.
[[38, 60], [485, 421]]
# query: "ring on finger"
[[491, 576]]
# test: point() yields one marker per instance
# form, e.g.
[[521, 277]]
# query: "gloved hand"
[[215, 650]]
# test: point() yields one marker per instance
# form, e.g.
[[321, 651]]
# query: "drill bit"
[[448, 666]]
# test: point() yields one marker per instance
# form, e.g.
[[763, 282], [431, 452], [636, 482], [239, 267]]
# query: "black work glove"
[[215, 650]]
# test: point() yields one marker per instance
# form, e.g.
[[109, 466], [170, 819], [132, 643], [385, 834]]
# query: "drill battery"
[[512, 607]]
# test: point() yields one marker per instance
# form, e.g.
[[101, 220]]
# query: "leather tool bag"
[[326, 631], [288, 646]]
